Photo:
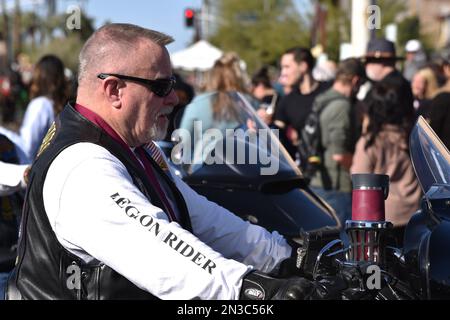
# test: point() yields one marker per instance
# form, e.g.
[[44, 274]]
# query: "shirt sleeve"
[[17, 140], [37, 120], [439, 108], [233, 237], [11, 178], [280, 111], [98, 214]]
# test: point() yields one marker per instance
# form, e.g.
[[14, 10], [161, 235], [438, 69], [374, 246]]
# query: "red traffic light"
[[189, 16], [189, 13]]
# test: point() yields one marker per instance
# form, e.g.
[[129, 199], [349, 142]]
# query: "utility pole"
[[266, 6], [51, 8], [210, 17], [318, 29], [373, 32], [6, 32], [198, 30], [17, 38], [204, 19], [360, 30]]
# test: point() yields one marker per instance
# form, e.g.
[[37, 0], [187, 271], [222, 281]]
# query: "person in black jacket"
[[440, 117], [380, 61]]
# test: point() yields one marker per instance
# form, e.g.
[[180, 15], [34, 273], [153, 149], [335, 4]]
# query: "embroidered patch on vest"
[[47, 139]]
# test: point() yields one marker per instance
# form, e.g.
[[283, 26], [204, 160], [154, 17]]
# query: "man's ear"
[[112, 91], [447, 70], [303, 67]]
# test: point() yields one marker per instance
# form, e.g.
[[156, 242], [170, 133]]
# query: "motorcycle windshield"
[[430, 157], [222, 130]]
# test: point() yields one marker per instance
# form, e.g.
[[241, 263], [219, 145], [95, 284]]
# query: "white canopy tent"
[[198, 57]]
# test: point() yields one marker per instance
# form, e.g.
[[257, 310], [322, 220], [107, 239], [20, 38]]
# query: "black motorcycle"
[[242, 166], [364, 262]]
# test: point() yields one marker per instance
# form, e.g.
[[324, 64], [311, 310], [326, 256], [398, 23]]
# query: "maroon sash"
[[140, 151]]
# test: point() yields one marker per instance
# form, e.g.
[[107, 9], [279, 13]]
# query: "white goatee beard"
[[156, 133]]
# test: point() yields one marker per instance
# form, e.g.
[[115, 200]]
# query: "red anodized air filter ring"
[[369, 194]]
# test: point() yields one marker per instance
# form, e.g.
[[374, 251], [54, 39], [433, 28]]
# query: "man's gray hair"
[[112, 41]]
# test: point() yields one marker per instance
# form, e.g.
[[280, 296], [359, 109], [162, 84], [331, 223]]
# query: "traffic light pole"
[[197, 28], [204, 29], [373, 32], [360, 31]]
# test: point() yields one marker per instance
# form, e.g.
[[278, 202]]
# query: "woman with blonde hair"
[[227, 74], [217, 107], [214, 108]]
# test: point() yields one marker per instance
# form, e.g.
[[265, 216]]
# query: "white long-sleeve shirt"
[[12, 175], [98, 214], [38, 118], [18, 143], [11, 178]]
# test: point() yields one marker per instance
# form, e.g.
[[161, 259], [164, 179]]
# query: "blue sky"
[[163, 15]]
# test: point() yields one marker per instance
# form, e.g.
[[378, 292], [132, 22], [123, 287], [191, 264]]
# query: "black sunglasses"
[[160, 87]]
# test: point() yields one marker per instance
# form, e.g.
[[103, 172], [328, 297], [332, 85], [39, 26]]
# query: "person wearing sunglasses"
[[104, 216]]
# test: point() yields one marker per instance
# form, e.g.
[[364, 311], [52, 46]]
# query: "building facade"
[[434, 16]]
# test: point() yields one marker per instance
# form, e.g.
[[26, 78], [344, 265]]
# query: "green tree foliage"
[[259, 31], [57, 39], [40, 35], [86, 30], [408, 29], [338, 24], [67, 49], [30, 26], [390, 11], [408, 26], [337, 29]]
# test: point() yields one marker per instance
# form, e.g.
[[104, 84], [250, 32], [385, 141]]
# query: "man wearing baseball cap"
[[415, 58]]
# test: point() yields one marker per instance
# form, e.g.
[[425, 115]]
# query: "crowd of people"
[[359, 122], [364, 117]]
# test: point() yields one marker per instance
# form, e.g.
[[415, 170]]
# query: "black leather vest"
[[44, 268]]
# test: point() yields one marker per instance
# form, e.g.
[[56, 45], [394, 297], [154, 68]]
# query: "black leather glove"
[[305, 249], [260, 286], [292, 266]]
